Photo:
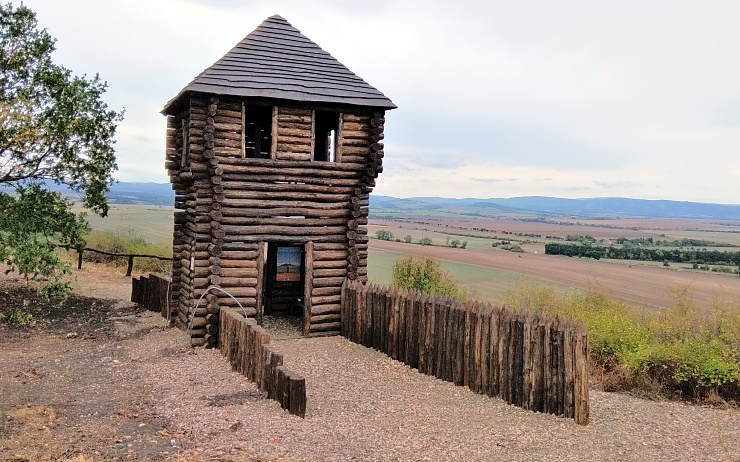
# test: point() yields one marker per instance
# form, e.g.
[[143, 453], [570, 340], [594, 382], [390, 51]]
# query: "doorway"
[[284, 279]]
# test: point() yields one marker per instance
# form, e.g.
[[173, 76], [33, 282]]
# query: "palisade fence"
[[247, 347], [534, 361], [152, 291], [245, 344]]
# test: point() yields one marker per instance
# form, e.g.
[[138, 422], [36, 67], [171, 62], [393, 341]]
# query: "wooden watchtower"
[[272, 153]]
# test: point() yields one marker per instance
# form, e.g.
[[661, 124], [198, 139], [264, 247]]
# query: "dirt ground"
[[104, 380], [645, 286], [70, 386]]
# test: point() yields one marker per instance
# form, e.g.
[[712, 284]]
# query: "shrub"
[[425, 274], [17, 317], [426, 241], [680, 349], [384, 235]]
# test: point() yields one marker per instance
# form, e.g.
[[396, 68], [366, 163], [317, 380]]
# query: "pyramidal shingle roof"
[[276, 61]]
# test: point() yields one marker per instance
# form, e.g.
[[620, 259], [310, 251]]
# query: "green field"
[[482, 283], [152, 222]]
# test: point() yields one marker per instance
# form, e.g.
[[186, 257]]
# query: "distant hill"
[[142, 193], [129, 193], [600, 207]]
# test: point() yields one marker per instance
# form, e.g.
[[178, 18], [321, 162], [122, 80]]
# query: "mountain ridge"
[[598, 207], [554, 206]]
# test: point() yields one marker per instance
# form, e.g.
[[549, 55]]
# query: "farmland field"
[[488, 272], [153, 222]]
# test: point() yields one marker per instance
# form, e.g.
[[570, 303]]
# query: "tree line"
[[700, 256]]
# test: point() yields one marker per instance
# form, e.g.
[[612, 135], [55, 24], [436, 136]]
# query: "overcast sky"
[[561, 98]]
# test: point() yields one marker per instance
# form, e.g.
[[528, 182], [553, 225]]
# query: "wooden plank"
[[581, 392], [308, 287], [339, 139], [297, 391], [393, 324], [273, 133]]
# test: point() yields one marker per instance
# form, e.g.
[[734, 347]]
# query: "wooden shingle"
[[277, 62]]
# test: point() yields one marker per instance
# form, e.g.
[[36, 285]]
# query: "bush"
[[425, 274], [17, 317], [682, 350], [128, 242], [384, 235]]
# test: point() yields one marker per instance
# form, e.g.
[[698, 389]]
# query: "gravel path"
[[364, 406], [142, 394]]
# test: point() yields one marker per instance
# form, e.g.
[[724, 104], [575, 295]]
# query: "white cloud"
[[572, 98]]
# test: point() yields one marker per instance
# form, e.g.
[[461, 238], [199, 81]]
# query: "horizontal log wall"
[[536, 362], [247, 347], [227, 205], [294, 131]]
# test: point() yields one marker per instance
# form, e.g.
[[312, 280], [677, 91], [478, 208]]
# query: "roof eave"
[[171, 107]]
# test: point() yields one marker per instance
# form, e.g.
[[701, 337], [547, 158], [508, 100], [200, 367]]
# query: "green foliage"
[[384, 235], [53, 126], [426, 241], [407, 239], [18, 316], [681, 348], [32, 223], [629, 252], [425, 274]]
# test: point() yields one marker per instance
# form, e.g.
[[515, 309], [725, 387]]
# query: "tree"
[[426, 241], [384, 235], [425, 274], [407, 239], [54, 127]]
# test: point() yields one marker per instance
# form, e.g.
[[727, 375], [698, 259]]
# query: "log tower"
[[272, 152]]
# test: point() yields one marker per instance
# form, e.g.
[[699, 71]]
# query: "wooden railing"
[[533, 361], [130, 256]]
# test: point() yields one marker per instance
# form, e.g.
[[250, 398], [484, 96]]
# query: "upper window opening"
[[326, 125], [257, 132]]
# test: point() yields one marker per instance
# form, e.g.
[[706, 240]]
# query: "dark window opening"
[[257, 132], [325, 136]]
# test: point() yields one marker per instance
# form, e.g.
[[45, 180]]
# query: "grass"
[[128, 242], [481, 283], [152, 222]]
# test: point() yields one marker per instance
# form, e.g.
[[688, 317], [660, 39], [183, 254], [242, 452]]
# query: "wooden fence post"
[[530, 360]]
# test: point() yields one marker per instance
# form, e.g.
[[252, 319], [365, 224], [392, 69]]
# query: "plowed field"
[[646, 286]]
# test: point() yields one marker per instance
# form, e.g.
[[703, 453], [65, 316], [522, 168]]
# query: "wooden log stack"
[[230, 206], [151, 291], [533, 361], [247, 347]]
